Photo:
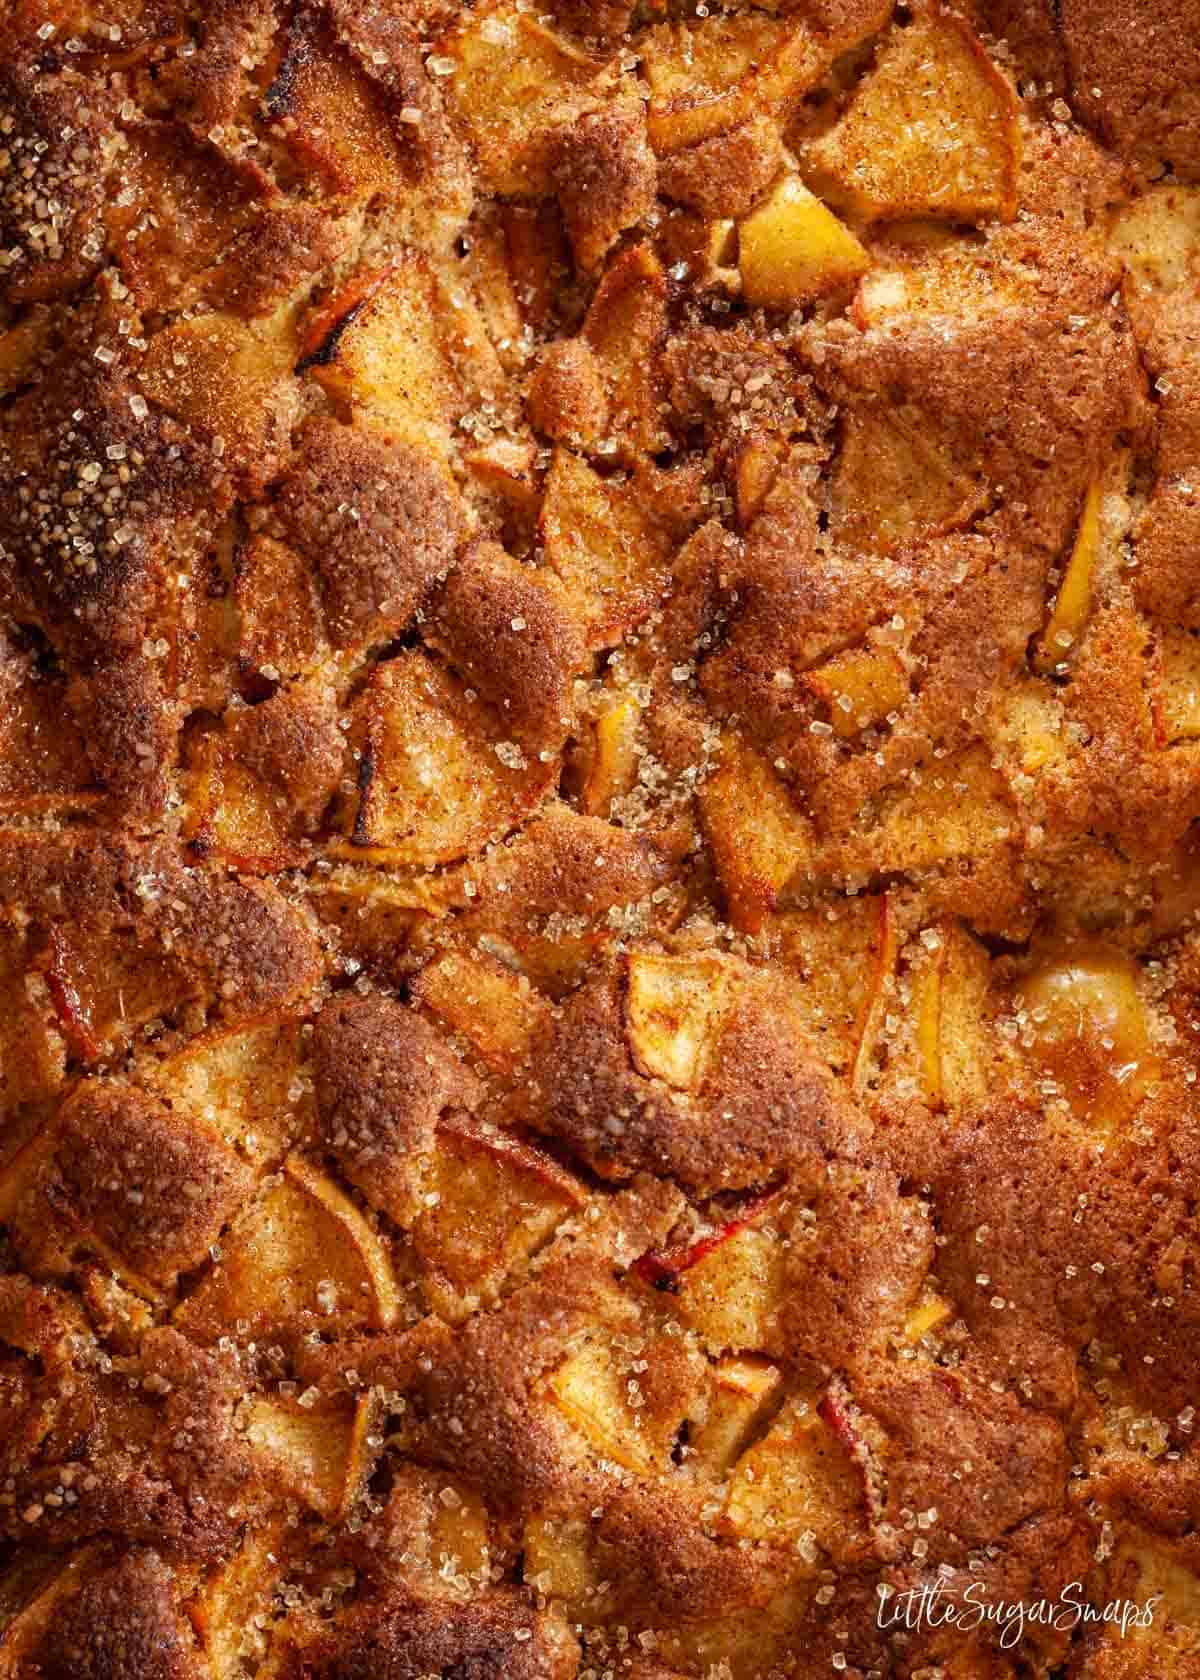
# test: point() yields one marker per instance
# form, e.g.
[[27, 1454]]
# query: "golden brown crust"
[[1136, 76], [126, 1620], [599, 771], [384, 1079], [376, 520], [512, 633], [153, 1190], [606, 177]]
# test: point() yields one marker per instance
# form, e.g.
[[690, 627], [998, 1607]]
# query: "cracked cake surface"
[[599, 781]]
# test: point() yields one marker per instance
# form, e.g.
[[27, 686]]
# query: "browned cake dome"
[[599, 781]]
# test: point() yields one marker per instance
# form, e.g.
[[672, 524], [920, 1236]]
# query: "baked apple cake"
[[599, 850]]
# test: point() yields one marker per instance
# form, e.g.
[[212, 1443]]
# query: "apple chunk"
[[476, 995], [950, 983], [245, 1082], [792, 249], [1177, 702], [604, 544], [1074, 600], [932, 131], [1091, 1030], [494, 1202], [1157, 238], [673, 1011], [624, 328], [377, 349], [436, 780], [613, 767], [590, 1391], [708, 76], [743, 1391], [874, 1003], [515, 83], [727, 1280], [800, 1485], [860, 687], [930, 1310], [759, 839], [319, 1456], [302, 1254]]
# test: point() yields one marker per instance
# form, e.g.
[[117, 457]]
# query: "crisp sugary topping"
[[599, 769]]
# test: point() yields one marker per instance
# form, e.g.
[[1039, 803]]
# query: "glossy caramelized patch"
[[599, 770]]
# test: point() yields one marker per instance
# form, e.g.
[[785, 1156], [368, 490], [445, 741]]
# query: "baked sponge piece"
[[599, 781]]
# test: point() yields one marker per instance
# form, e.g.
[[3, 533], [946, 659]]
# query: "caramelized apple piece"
[[1028, 728], [505, 469], [32, 1049], [1074, 600], [673, 1010], [1091, 1030], [727, 1280], [477, 996], [497, 1201], [1157, 238], [932, 131], [883, 966], [707, 76], [437, 779], [925, 269], [234, 813], [613, 769], [743, 1391], [799, 1486], [731, 1294], [378, 348], [319, 1456], [558, 1562], [792, 249], [103, 989], [624, 328], [860, 687], [228, 380], [515, 82], [961, 808], [590, 1391], [707, 246], [604, 545], [338, 124], [950, 987], [931, 1310], [536, 247], [245, 1083], [702, 74], [831, 948], [337, 314], [758, 463], [759, 839], [1177, 708], [378, 919], [230, 1610], [302, 1254]]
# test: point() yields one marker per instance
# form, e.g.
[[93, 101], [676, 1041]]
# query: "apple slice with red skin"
[[663, 1268], [68, 1004], [838, 1411], [320, 342], [886, 949]]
